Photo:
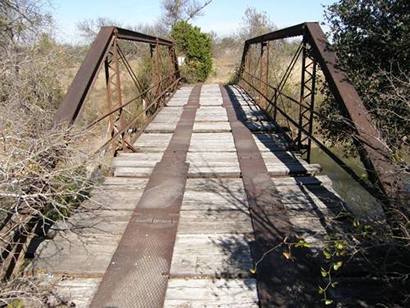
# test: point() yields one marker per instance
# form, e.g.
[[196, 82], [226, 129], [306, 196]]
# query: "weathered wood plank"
[[211, 127], [224, 255], [303, 180], [85, 256], [154, 142], [78, 291], [209, 194], [197, 293], [214, 222], [138, 172], [211, 142]]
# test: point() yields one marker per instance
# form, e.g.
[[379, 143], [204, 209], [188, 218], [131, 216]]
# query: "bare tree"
[[89, 28], [175, 10], [20, 19], [43, 171], [255, 23]]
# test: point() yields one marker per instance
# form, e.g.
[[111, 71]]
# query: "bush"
[[372, 39], [196, 47]]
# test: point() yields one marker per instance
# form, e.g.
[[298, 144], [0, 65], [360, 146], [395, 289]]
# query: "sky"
[[221, 16]]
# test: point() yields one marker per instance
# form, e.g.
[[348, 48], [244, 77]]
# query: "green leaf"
[[340, 245], [337, 265], [327, 254], [328, 302], [16, 303], [323, 272], [321, 290], [302, 243]]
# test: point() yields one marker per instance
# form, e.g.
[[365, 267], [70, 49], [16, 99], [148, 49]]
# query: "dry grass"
[[225, 65]]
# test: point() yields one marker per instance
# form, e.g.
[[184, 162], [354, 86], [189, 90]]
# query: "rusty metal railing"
[[315, 53], [106, 53]]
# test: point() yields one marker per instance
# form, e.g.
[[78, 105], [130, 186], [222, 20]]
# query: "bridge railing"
[[134, 73], [314, 53]]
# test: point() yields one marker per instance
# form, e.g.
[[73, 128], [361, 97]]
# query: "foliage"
[[364, 249], [196, 46], [20, 20], [181, 10], [372, 39], [255, 23], [43, 171]]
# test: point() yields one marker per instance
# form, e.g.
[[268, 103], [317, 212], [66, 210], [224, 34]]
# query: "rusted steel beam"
[[129, 35], [307, 101], [322, 146], [280, 34], [127, 103], [263, 72], [173, 62], [373, 152], [141, 113], [83, 80], [86, 75], [375, 155]]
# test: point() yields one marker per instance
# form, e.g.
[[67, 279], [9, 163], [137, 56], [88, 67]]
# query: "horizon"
[[67, 14]]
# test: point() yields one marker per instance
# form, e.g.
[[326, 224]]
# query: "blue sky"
[[221, 16]]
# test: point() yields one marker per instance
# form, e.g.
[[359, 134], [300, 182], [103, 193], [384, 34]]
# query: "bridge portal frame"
[[315, 48]]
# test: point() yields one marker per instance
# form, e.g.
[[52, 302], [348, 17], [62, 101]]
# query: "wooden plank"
[[211, 127], [283, 169], [99, 223], [77, 291], [210, 201], [203, 158], [142, 172], [260, 126], [205, 164], [214, 194], [160, 127], [85, 256], [152, 142], [197, 293], [211, 114], [214, 172], [303, 180], [136, 161], [211, 142], [168, 117], [214, 222], [135, 157], [271, 142], [114, 182], [211, 255]]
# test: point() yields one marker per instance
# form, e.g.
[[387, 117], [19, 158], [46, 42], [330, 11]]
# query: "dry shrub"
[[43, 172]]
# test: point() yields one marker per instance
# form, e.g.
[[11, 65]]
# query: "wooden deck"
[[213, 251]]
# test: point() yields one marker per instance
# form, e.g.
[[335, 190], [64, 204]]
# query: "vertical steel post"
[[307, 101], [113, 92], [171, 65], [311, 109], [156, 74], [263, 74], [248, 64], [302, 95], [243, 67], [110, 127], [161, 85], [118, 82]]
